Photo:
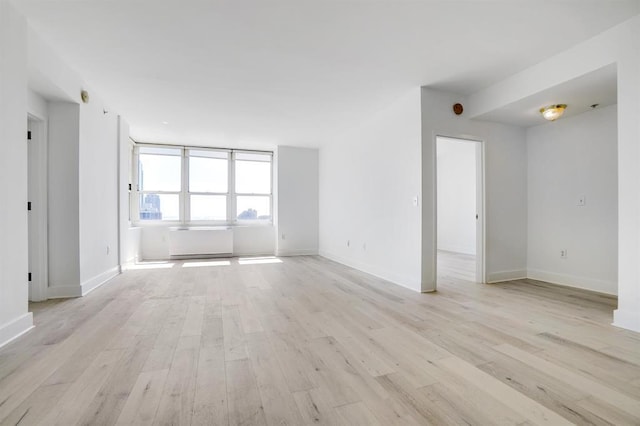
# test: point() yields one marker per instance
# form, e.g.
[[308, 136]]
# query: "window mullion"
[[231, 190], [184, 191]]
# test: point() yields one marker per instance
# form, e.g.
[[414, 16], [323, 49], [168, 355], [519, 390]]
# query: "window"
[[208, 185], [202, 186], [253, 186], [159, 183]]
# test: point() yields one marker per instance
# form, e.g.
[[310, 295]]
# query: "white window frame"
[[236, 194], [135, 194], [188, 193], [184, 194]]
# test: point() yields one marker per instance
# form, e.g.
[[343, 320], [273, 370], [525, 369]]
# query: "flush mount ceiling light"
[[553, 112]]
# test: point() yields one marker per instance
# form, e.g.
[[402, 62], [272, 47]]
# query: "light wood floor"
[[308, 341], [456, 266]]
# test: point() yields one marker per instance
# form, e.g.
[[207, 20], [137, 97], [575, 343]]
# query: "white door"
[[37, 209], [31, 193]]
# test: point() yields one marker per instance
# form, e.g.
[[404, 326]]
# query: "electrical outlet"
[[348, 243], [563, 254]]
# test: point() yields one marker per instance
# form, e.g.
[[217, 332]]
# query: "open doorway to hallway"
[[460, 240]]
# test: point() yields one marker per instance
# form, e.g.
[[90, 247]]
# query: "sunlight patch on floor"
[[206, 263], [150, 265], [258, 260]]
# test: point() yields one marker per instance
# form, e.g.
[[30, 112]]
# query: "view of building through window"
[[186, 185], [253, 186]]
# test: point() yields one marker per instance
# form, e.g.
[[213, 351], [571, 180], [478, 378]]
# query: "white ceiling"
[[597, 87], [257, 73]]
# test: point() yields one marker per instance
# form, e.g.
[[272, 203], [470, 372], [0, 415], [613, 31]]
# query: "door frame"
[[38, 236], [481, 247]]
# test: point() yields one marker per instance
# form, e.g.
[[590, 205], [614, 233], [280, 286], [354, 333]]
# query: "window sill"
[[199, 228], [176, 226]]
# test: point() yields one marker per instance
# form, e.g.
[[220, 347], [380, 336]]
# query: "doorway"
[[37, 208], [460, 209]]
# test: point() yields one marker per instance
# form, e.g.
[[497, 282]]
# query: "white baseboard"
[[68, 291], [599, 286], [629, 320], [301, 252], [95, 282], [397, 279], [64, 291], [253, 253], [235, 254], [15, 328], [459, 249], [500, 276]]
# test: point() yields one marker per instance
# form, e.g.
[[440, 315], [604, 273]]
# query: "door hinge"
[[29, 135], [29, 205], [29, 276], [129, 187]]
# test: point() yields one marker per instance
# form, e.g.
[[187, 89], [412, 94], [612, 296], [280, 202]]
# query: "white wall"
[[48, 74], [64, 231], [83, 175], [368, 179], [568, 159], [98, 189], [83, 198], [254, 240], [14, 318], [131, 247], [129, 236], [247, 241], [505, 166], [297, 199], [618, 45], [456, 195], [154, 243], [37, 105]]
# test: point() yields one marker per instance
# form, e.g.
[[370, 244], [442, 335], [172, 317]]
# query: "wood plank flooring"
[[306, 341], [456, 266]]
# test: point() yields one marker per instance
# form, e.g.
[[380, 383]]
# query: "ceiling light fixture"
[[553, 112]]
